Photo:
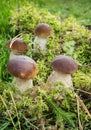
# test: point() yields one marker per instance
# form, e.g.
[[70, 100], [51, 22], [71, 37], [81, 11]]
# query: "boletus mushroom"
[[63, 66], [24, 69], [42, 32], [17, 47]]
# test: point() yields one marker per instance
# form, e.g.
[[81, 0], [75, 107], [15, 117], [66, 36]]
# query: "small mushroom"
[[17, 47], [24, 69], [63, 67], [88, 27], [42, 32]]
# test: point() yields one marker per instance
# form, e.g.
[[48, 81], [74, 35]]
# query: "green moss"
[[40, 102], [78, 38], [68, 37], [82, 80], [29, 16], [69, 30]]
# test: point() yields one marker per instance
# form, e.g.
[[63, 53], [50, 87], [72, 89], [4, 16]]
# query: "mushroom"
[[63, 67], [42, 32], [17, 47], [23, 69]]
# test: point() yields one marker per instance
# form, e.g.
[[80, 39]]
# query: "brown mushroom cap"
[[43, 30], [64, 64], [22, 67], [17, 44]]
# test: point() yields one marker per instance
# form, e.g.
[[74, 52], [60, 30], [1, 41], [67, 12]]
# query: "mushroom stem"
[[40, 43], [59, 77], [22, 84], [14, 54], [24, 69]]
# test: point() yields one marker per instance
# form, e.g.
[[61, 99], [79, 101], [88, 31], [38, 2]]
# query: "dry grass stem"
[[80, 125], [83, 91], [31, 123], [12, 41], [7, 111], [15, 110], [83, 105]]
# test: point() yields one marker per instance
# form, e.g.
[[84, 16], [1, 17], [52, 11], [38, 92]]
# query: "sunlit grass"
[[81, 9], [5, 11]]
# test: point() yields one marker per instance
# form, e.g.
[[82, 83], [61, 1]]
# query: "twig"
[[80, 126], [83, 105], [31, 123], [16, 111], [7, 111], [83, 91]]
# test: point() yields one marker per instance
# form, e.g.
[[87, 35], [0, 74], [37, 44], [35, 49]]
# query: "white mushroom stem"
[[59, 77], [14, 54], [40, 43], [22, 84]]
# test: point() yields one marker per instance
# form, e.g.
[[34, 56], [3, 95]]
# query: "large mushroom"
[[42, 32], [23, 69], [63, 67], [17, 47]]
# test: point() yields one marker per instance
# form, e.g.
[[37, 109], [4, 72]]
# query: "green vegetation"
[[43, 107], [80, 9], [82, 79], [40, 107]]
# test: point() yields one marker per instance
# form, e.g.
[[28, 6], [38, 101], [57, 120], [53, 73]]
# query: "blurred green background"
[[81, 9]]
